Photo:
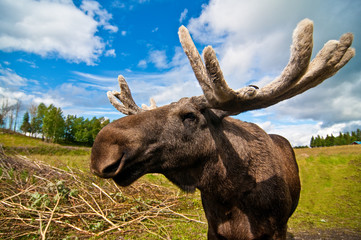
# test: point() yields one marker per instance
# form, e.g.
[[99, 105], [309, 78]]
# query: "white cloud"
[[118, 4], [110, 53], [183, 15], [31, 63], [54, 28], [158, 58], [95, 78], [95, 11], [142, 64], [12, 96], [300, 134], [9, 78], [296, 134], [334, 101], [34, 97], [175, 92]]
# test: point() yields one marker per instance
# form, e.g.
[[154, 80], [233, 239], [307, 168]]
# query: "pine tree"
[[25, 126], [312, 142]]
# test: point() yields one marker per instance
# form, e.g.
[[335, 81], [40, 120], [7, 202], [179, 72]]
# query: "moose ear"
[[220, 113], [215, 115]]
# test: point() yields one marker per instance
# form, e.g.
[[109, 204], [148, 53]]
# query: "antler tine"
[[209, 76], [301, 50], [332, 57], [196, 62], [153, 105], [239, 101], [298, 76], [223, 93], [128, 106]]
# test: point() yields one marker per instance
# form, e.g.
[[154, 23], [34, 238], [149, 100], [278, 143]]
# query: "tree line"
[[341, 139], [49, 123]]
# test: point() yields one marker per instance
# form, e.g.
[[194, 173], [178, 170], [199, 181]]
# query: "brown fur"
[[248, 179]]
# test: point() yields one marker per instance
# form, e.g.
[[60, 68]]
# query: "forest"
[[342, 139], [48, 123]]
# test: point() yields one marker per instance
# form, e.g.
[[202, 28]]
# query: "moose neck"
[[214, 173]]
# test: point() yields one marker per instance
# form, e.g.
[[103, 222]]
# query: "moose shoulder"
[[248, 180]]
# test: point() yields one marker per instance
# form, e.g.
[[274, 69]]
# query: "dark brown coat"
[[248, 179]]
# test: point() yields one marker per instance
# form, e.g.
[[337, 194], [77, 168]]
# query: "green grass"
[[330, 195], [53, 154], [331, 190], [17, 140]]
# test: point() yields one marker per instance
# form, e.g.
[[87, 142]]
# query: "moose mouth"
[[127, 171]]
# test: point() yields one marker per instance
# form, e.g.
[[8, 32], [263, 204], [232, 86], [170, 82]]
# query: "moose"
[[248, 179]]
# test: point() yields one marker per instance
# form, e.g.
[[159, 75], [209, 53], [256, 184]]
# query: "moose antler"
[[298, 76], [129, 107]]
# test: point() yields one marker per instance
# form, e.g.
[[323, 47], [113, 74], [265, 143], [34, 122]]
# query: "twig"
[[42, 178], [75, 227], [22, 192], [173, 212], [99, 214], [183, 216], [116, 186], [161, 228], [149, 231], [106, 194], [141, 218], [41, 225], [51, 216], [96, 203]]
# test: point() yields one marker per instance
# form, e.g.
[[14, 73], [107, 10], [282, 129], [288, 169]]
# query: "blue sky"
[[69, 53]]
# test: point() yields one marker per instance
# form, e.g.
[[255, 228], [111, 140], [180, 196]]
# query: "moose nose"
[[106, 161], [107, 170]]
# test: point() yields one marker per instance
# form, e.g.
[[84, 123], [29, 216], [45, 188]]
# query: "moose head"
[[248, 179]]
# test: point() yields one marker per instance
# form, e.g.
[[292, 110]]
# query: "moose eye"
[[189, 117]]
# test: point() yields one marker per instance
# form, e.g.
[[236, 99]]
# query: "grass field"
[[331, 188], [58, 198]]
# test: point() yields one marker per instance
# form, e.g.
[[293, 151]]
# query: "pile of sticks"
[[41, 201]]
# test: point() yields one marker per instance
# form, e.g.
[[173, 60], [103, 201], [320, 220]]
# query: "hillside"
[[47, 192]]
